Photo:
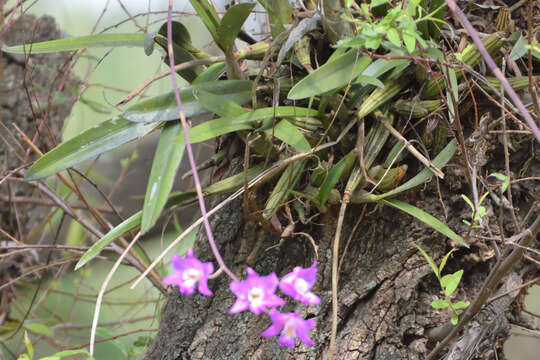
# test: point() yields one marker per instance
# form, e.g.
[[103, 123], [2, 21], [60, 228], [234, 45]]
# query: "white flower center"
[[290, 328], [191, 276], [301, 286], [255, 295]]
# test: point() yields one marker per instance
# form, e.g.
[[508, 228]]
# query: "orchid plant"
[[256, 293]]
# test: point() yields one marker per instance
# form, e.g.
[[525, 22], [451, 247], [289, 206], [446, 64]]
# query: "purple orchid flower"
[[188, 272], [291, 326], [298, 282], [256, 293]]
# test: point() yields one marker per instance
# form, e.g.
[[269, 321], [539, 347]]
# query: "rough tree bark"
[[385, 287]]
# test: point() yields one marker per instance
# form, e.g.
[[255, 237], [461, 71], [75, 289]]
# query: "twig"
[[507, 161], [528, 283], [130, 16]]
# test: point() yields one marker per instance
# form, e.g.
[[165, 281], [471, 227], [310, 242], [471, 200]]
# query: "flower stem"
[[190, 151]]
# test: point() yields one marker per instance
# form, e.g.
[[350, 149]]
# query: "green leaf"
[[468, 201], [275, 18], [409, 40], [440, 14], [29, 346], [519, 49], [368, 80], [105, 333], [221, 126], [411, 7], [454, 320], [166, 162], [101, 138], [181, 55], [334, 175], [426, 218], [39, 329], [331, 76], [450, 282], [78, 42], [213, 128], [445, 259], [503, 178], [180, 38], [453, 95], [218, 105], [164, 108], [393, 36], [375, 3], [440, 304], [290, 135], [286, 182], [211, 73], [380, 66], [535, 50], [232, 22], [430, 261], [208, 15], [126, 225], [130, 223], [233, 183], [461, 305]]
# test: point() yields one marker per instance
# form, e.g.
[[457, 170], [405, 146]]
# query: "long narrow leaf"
[[166, 162], [97, 140], [232, 22], [334, 175], [78, 42], [163, 107], [426, 218], [218, 105], [208, 16], [221, 126], [286, 182], [130, 223], [330, 76], [289, 134]]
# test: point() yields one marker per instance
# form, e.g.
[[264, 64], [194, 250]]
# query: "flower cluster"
[[256, 293]]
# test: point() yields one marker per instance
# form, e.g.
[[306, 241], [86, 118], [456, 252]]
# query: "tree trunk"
[[385, 289]]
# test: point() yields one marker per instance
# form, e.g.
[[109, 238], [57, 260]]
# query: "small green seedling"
[[449, 284], [476, 215], [503, 178]]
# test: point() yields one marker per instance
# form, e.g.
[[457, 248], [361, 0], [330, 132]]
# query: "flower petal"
[[240, 304]]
